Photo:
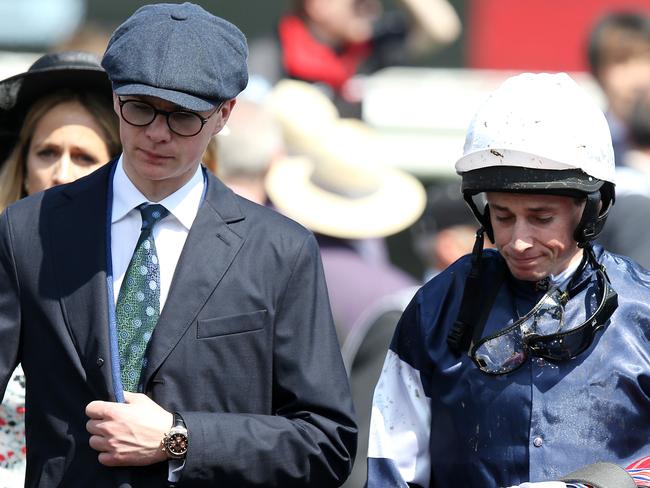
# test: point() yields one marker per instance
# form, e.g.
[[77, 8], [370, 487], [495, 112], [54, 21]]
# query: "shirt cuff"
[[175, 469]]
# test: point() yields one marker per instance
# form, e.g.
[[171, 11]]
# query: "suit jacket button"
[[100, 362]]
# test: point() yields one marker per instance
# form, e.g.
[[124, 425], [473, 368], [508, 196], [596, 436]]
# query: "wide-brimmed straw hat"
[[339, 186], [72, 70]]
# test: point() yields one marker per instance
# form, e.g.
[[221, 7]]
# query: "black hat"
[[180, 53], [72, 70]]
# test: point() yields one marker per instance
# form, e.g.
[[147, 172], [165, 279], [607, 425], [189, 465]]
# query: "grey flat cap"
[[179, 53]]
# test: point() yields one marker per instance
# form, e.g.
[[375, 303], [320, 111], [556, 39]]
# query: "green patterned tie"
[[138, 304]]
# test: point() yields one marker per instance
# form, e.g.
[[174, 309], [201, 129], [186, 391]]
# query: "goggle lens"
[[542, 333]]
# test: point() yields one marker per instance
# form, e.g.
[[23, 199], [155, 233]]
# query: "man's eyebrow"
[[501, 208], [542, 208]]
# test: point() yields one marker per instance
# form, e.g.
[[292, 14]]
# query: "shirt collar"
[[183, 203], [561, 280]]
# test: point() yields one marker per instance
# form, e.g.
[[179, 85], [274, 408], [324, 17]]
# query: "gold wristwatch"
[[176, 441]]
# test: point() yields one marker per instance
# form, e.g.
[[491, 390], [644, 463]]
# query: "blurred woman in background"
[[66, 126], [57, 124]]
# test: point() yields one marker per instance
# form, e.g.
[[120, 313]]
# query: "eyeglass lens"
[[181, 122]]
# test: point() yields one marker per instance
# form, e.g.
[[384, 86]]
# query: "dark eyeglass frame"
[[560, 346], [167, 114]]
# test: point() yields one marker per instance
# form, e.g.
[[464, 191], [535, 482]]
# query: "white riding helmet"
[[541, 133]]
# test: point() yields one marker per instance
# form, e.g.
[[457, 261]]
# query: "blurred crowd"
[[297, 142]]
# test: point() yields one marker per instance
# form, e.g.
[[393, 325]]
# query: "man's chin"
[[527, 273]]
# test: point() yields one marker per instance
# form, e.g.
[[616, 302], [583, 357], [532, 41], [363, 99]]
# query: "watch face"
[[176, 444]]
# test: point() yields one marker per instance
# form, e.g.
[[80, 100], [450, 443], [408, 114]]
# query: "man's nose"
[[521, 237], [158, 130]]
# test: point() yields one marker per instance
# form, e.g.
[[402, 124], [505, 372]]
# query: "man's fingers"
[[99, 443], [130, 397], [91, 426], [111, 459], [109, 454], [98, 409], [97, 427], [128, 434]]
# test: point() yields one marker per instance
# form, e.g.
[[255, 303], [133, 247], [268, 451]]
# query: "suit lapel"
[[209, 249], [78, 238]]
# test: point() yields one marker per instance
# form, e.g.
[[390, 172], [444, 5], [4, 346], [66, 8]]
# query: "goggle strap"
[[477, 301], [488, 295], [460, 333]]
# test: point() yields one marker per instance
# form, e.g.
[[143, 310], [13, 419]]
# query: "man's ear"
[[224, 114]]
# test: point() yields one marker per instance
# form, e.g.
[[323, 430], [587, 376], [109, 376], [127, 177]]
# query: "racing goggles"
[[541, 332]]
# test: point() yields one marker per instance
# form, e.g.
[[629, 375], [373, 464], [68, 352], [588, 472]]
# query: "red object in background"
[[536, 35]]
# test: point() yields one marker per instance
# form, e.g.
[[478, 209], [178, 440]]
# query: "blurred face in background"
[[621, 60], [342, 21], [67, 143], [624, 82]]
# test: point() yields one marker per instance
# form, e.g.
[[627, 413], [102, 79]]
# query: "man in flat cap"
[[170, 331]]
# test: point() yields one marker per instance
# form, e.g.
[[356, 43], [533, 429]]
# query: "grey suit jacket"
[[244, 349]]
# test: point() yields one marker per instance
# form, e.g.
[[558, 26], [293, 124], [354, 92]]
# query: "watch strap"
[[178, 420], [178, 428]]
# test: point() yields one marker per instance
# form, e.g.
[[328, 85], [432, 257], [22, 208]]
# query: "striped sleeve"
[[640, 471], [398, 447]]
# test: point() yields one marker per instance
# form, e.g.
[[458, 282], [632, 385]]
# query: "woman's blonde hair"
[[13, 172]]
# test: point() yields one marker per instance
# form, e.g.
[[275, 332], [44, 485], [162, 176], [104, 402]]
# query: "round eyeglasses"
[[181, 122], [541, 332]]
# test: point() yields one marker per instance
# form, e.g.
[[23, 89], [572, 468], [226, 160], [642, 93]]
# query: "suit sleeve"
[[9, 306], [310, 441]]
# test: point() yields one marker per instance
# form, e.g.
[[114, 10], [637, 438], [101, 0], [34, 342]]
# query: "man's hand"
[[128, 434]]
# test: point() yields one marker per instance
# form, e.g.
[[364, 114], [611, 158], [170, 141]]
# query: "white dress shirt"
[[169, 233]]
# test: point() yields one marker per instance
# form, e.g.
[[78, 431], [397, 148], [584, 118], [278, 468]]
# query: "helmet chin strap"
[[592, 220], [483, 218]]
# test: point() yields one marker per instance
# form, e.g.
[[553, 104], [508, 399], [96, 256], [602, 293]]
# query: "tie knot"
[[151, 213]]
